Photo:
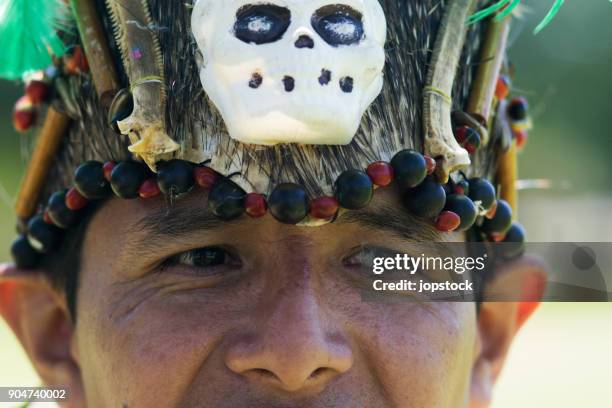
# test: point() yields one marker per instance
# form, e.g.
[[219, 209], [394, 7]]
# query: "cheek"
[[148, 353], [421, 353]]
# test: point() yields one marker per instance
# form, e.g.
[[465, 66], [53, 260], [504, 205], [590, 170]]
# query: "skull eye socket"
[[338, 24], [261, 23]]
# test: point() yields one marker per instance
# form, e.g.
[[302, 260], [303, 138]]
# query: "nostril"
[[317, 373], [304, 41]]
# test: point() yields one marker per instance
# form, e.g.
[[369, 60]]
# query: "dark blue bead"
[[354, 189], [60, 214], [42, 236], [518, 108], [425, 201], [24, 256], [127, 177], [175, 177], [483, 191], [464, 208], [226, 200], [502, 220], [288, 203], [90, 182], [410, 168], [513, 244]]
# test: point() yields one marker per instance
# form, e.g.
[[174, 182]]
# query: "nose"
[[295, 347], [304, 41]]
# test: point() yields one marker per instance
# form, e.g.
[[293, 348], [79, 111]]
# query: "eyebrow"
[[392, 219], [156, 227], [160, 225]]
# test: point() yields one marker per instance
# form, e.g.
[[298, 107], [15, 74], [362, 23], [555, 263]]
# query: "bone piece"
[[440, 141], [141, 55], [492, 56]]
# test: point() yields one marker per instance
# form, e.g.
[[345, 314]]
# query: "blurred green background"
[[562, 358]]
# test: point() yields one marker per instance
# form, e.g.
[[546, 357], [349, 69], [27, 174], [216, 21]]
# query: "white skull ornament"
[[291, 71]]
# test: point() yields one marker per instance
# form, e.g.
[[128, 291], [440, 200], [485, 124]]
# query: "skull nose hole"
[[304, 41]]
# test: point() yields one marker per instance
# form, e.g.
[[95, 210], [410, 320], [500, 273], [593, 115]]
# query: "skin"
[[281, 323]]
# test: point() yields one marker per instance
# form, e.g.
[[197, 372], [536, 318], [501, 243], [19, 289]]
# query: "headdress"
[[297, 109]]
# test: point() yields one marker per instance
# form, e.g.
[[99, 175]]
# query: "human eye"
[[205, 261]]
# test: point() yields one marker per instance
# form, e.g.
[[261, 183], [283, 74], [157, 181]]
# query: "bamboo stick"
[[49, 141]]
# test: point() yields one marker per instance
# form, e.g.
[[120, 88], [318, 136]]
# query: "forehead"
[[158, 220]]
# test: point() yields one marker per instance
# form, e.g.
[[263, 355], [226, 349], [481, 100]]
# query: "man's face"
[[178, 309]]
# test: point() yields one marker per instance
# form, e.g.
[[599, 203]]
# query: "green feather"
[[494, 8], [551, 14], [508, 10], [29, 35], [486, 12]]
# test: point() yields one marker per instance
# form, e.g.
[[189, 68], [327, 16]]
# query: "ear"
[[38, 316], [514, 295]]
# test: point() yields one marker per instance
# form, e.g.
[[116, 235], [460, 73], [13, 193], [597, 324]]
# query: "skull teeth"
[[346, 83], [325, 77], [289, 83]]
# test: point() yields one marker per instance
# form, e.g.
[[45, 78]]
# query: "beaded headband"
[[432, 185]]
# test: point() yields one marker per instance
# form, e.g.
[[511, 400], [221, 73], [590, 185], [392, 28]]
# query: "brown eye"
[[207, 260], [261, 23], [338, 25]]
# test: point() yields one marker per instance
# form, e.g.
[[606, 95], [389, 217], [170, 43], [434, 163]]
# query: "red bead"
[[47, 218], [74, 200], [497, 237], [491, 213], [24, 114], [381, 173], [431, 164], [108, 169], [77, 62], [521, 136], [468, 138], [324, 208], [255, 205], [37, 91], [205, 177], [502, 88], [447, 221], [149, 189]]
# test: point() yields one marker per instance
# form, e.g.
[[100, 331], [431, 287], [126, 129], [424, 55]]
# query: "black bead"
[[513, 244], [518, 108], [60, 214], [175, 177], [288, 203], [464, 208], [483, 191], [42, 236], [226, 200], [425, 201], [24, 256], [354, 189], [502, 220], [127, 177], [90, 182], [410, 168]]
